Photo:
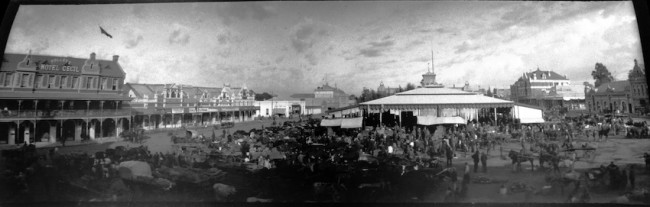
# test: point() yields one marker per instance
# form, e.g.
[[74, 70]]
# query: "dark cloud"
[[465, 47], [179, 37], [302, 40], [376, 49], [245, 10], [132, 43]]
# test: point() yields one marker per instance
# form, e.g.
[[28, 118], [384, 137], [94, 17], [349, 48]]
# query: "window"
[[115, 80], [64, 82], [51, 82], [103, 84], [267, 112], [39, 81], [24, 81], [84, 82]]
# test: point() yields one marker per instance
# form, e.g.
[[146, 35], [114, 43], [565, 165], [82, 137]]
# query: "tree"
[[409, 86], [263, 96], [601, 75], [400, 89], [494, 92], [489, 92]]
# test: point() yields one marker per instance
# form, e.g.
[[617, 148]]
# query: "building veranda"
[[46, 99]]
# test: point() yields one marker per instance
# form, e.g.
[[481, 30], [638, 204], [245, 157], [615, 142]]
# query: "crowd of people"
[[392, 153]]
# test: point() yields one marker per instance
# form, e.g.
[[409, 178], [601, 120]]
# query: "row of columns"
[[91, 128], [214, 119]]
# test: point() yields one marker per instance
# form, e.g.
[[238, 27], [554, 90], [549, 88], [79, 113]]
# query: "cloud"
[[301, 39], [132, 43], [279, 59], [376, 49], [245, 10], [179, 37], [466, 46], [311, 58], [138, 11]]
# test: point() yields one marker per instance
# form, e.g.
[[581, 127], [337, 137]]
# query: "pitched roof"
[[439, 96], [141, 90], [615, 86], [550, 75], [303, 95], [327, 87], [107, 67]]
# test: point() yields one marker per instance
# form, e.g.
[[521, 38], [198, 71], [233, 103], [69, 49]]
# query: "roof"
[[550, 75], [327, 87], [60, 95], [615, 86], [439, 96], [303, 95], [142, 90], [107, 67]]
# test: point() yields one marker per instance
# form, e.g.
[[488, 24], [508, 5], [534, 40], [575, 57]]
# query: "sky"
[[293, 47]]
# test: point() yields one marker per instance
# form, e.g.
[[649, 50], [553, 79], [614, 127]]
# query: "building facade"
[[621, 97], [546, 89], [324, 98], [639, 89], [386, 91], [159, 106], [282, 108], [45, 99]]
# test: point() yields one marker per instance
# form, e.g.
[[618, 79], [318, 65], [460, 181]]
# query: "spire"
[[432, 68], [635, 63]]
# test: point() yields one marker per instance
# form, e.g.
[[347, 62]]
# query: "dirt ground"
[[618, 149]]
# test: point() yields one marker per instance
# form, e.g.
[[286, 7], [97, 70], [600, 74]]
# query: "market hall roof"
[[422, 98]]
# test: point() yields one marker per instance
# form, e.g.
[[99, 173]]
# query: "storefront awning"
[[352, 123], [330, 122], [433, 120]]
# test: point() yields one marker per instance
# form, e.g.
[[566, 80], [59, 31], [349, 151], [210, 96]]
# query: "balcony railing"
[[62, 113]]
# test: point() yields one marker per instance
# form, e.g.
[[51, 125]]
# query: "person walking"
[[484, 162], [475, 157]]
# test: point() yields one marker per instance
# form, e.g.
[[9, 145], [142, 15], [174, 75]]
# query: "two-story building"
[[623, 97], [47, 98], [157, 106], [546, 89]]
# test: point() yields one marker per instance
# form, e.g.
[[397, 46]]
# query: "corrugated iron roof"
[[107, 67]]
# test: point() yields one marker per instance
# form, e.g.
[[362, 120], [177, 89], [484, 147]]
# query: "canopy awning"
[[531, 120], [434, 98], [352, 123], [433, 120], [330, 122]]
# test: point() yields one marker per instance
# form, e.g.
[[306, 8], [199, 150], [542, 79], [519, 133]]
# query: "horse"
[[518, 157]]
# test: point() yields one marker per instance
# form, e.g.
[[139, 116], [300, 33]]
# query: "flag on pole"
[[104, 32]]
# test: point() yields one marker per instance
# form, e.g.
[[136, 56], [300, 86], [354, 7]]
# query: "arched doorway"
[[5, 128], [42, 133], [68, 128], [94, 128], [124, 122], [25, 131], [108, 128]]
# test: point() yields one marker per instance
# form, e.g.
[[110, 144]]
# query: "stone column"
[[53, 133], [91, 130]]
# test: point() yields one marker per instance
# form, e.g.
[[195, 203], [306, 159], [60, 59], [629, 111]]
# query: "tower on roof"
[[429, 78]]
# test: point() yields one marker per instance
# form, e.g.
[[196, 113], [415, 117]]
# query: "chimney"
[[92, 56], [115, 58]]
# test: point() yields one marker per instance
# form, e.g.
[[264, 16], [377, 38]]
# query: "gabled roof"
[[327, 87], [550, 75], [107, 67], [141, 90]]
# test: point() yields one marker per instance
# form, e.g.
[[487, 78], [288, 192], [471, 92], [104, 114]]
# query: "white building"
[[282, 108]]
